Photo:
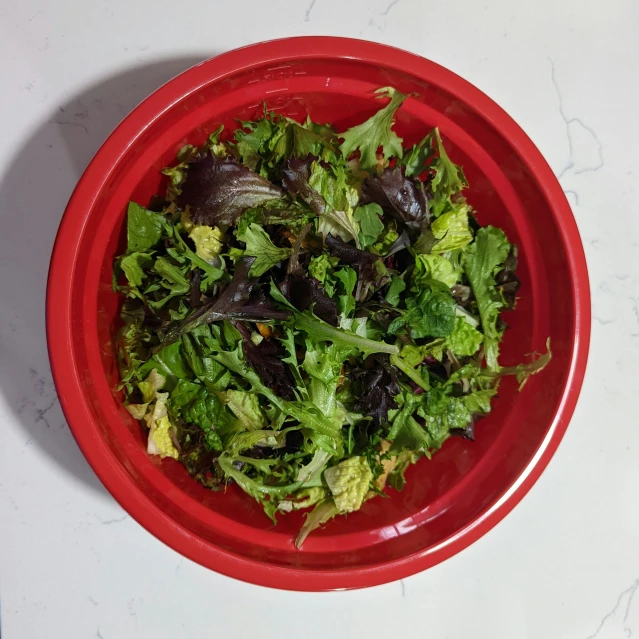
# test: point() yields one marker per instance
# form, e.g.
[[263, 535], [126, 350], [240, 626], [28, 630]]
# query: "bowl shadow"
[[34, 191]]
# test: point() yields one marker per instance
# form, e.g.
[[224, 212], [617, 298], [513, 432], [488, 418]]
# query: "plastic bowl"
[[467, 487]]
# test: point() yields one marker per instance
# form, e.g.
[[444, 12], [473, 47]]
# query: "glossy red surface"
[[467, 487]]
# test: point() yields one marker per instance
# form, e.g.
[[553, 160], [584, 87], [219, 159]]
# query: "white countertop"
[[564, 563]]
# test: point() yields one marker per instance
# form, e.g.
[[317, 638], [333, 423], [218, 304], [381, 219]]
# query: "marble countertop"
[[564, 563]]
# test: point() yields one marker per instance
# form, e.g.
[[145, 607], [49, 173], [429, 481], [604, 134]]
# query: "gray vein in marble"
[[38, 382], [40, 388], [603, 322], [574, 194], [131, 607], [93, 601], [635, 307], [568, 122], [629, 593], [307, 15], [65, 123], [590, 169], [388, 8], [633, 590], [403, 585], [35, 15], [384, 15], [41, 412], [43, 391], [117, 520], [605, 287]]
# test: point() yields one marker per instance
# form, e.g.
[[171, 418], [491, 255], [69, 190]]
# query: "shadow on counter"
[[34, 191]]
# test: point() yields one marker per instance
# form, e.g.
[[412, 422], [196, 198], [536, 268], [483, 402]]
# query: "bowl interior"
[[465, 479]]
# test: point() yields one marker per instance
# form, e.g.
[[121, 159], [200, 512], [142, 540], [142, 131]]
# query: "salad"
[[307, 313]]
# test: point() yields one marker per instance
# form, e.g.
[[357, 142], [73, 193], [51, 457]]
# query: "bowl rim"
[[65, 366]]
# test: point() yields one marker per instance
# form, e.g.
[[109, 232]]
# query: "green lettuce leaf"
[[479, 401], [160, 441], [451, 229], [525, 370], [151, 385], [313, 469], [214, 144], [442, 411], [148, 388], [449, 179], [246, 440], [400, 420], [339, 224], [417, 159], [170, 363], [347, 279], [180, 313], [303, 498], [433, 267], [246, 407], [291, 359], [404, 459], [370, 224], [303, 411], [376, 132], [321, 268], [267, 495], [323, 511], [134, 266], [413, 355], [265, 145], [349, 482], [276, 294], [260, 246], [431, 313], [332, 184], [182, 252], [160, 427], [143, 228], [208, 242], [196, 405], [321, 331], [172, 278], [284, 212], [253, 144], [386, 239], [211, 373], [323, 363], [482, 261], [339, 197], [396, 288], [177, 174], [132, 344], [406, 361], [465, 340]]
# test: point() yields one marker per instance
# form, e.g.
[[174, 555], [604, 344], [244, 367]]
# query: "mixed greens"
[[309, 312]]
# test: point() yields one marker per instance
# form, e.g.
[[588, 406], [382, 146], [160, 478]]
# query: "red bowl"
[[467, 487]]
